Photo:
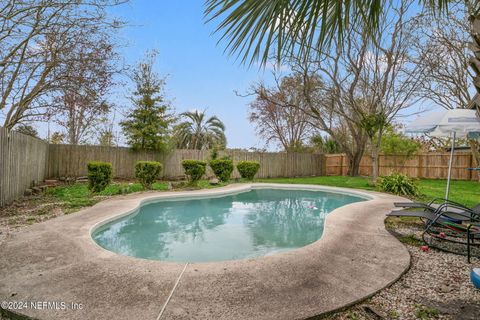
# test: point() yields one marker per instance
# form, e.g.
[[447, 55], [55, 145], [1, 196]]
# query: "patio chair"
[[461, 226], [432, 207], [425, 215], [463, 232], [452, 211]]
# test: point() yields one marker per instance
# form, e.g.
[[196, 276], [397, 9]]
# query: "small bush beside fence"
[[248, 169], [222, 168], [99, 175], [147, 172], [194, 169]]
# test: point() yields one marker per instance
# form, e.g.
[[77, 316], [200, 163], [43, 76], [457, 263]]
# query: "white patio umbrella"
[[448, 123]]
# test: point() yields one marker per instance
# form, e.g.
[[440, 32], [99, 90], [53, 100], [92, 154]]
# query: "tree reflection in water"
[[237, 226], [291, 219]]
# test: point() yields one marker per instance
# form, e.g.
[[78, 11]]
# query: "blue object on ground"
[[473, 169], [475, 277]]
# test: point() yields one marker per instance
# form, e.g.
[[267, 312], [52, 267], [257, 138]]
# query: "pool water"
[[244, 225]]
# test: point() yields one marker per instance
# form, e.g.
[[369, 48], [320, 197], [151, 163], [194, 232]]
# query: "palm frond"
[[257, 29], [197, 133]]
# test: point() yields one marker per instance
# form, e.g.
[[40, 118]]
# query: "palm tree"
[[198, 132]]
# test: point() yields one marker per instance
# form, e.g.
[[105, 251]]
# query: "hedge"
[[147, 172], [194, 169], [248, 169], [99, 175], [222, 168]]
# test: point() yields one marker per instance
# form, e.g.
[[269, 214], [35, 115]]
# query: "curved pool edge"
[[221, 192], [301, 283]]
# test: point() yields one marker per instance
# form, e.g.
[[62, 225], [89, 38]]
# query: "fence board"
[[22, 164], [423, 165], [71, 161], [26, 160]]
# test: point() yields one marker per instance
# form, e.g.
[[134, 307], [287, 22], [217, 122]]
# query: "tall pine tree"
[[147, 124]]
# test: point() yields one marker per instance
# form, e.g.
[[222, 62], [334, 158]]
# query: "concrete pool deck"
[[57, 261]]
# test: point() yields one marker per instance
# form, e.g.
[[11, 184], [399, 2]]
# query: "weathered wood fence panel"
[[71, 160], [26, 160], [22, 164], [423, 165]]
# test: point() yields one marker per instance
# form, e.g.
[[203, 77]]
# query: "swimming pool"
[[237, 226]]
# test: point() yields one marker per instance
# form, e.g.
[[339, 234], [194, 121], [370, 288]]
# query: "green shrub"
[[214, 153], [147, 172], [248, 169], [399, 184], [194, 169], [99, 175], [222, 168]]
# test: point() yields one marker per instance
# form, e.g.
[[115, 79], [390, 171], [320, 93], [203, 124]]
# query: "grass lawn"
[[76, 196], [465, 192]]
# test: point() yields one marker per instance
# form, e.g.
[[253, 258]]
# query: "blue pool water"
[[238, 226]]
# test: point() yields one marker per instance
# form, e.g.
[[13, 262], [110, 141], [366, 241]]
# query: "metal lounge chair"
[[425, 215], [432, 207], [467, 229], [461, 226], [451, 211]]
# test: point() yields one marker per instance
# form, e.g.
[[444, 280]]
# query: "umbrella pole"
[[450, 166]]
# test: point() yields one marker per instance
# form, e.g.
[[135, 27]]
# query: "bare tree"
[[390, 79], [324, 102], [105, 133], [275, 116], [366, 84], [445, 49], [80, 103], [444, 58], [34, 37], [313, 101]]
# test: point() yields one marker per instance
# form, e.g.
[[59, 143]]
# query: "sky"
[[199, 74]]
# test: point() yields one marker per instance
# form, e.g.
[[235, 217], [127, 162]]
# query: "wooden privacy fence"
[[25, 161], [423, 165], [71, 160], [22, 164]]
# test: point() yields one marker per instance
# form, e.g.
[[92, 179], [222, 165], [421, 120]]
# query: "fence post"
[[323, 171], [420, 166]]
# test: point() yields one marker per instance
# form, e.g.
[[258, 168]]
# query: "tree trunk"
[[475, 59], [374, 157], [375, 145], [72, 137], [354, 162], [355, 154]]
